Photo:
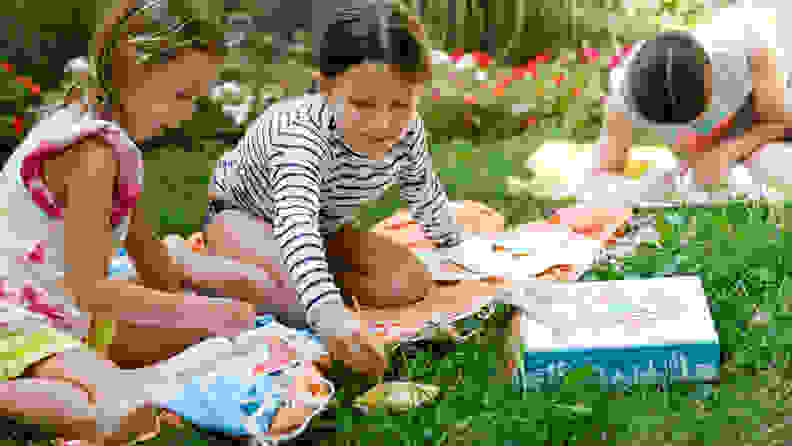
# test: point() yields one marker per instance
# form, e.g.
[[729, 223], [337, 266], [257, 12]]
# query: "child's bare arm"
[[88, 242], [154, 265], [614, 147]]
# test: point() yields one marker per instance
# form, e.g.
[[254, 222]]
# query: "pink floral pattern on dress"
[[35, 300], [30, 296], [125, 196], [34, 255]]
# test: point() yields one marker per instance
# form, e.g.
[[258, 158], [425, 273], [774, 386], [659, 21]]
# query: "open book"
[[513, 255], [264, 350]]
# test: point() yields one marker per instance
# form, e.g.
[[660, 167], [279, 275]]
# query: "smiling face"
[[377, 106], [163, 95]]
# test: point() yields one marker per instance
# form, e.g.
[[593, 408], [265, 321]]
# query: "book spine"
[[664, 368]]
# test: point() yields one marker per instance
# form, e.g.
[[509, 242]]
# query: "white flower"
[[237, 112], [465, 62], [439, 57], [216, 93], [520, 108], [231, 88], [480, 75], [242, 114], [666, 19], [78, 65]]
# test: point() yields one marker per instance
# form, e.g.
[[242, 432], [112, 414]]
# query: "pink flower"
[[588, 55], [456, 55], [614, 62], [626, 49]]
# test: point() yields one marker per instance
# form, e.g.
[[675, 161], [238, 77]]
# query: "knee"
[[409, 279]]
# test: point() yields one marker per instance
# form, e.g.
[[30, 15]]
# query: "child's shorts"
[[19, 350], [40, 339]]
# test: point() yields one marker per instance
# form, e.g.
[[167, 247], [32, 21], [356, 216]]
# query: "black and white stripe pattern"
[[292, 168]]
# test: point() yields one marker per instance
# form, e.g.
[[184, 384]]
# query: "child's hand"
[[349, 341], [712, 167]]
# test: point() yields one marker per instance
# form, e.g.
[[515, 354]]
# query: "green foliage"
[[741, 256]]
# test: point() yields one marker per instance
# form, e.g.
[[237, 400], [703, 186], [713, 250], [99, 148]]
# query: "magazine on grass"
[[264, 350], [512, 255]]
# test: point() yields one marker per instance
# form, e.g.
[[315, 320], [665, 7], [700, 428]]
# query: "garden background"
[[512, 77]]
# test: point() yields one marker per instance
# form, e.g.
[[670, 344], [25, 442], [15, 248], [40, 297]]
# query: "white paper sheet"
[[538, 252], [613, 313]]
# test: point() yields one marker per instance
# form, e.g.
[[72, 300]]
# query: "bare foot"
[[307, 384]]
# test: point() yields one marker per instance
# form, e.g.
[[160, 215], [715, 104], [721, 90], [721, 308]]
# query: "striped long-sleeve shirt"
[[293, 169]]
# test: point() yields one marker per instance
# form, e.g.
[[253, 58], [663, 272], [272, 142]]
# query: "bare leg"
[[136, 346], [72, 392], [250, 241], [376, 270]]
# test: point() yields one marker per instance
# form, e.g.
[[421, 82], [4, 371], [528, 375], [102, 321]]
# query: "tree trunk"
[[452, 23], [489, 43]]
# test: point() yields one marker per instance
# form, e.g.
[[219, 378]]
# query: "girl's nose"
[[382, 120]]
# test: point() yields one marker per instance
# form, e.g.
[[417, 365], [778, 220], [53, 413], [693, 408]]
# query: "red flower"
[[456, 55], [6, 66], [626, 49], [482, 59], [25, 80], [575, 92], [469, 99], [529, 121], [18, 123], [35, 89], [542, 58], [518, 73], [558, 78]]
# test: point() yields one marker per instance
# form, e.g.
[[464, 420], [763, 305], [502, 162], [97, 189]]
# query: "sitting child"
[[71, 188], [290, 191]]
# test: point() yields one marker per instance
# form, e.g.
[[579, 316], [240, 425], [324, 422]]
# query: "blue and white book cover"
[[629, 331]]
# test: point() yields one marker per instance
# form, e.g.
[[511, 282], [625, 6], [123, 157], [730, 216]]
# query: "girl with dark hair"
[[287, 197], [717, 94]]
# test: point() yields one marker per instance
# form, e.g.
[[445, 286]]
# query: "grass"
[[737, 251], [744, 262]]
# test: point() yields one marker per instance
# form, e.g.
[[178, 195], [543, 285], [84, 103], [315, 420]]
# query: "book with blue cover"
[[648, 331]]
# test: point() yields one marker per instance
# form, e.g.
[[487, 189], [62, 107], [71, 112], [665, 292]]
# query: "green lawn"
[[747, 407], [738, 252]]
